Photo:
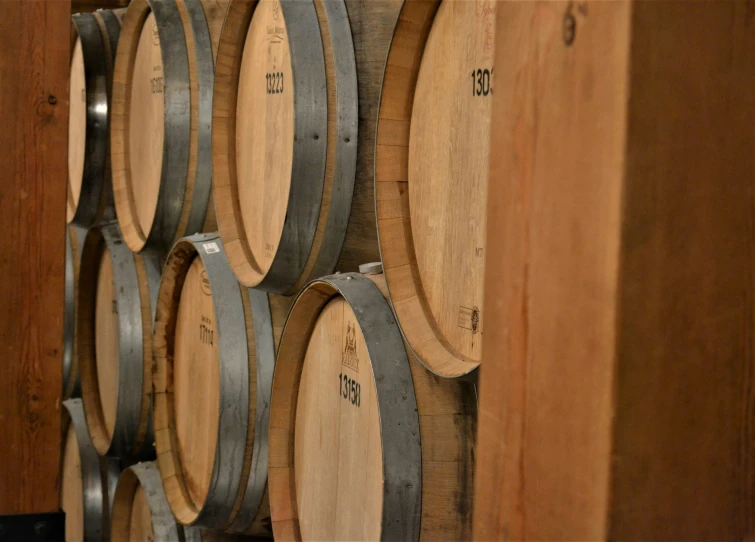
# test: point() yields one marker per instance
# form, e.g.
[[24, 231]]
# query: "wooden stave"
[[133, 435], [403, 458], [233, 505], [99, 474], [294, 262], [99, 32], [174, 216], [460, 366]]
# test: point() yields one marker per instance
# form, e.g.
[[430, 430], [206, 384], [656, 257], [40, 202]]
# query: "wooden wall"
[[33, 164], [617, 393]]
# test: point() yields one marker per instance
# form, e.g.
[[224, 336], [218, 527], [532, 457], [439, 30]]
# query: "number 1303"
[[481, 82]]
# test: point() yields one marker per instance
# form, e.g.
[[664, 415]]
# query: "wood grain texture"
[[338, 456], [336, 495], [448, 171], [146, 130], [265, 133], [428, 225], [34, 71], [617, 403], [72, 490], [189, 368], [196, 385], [99, 329], [140, 527], [138, 128]]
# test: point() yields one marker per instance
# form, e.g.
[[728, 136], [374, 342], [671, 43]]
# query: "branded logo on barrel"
[[205, 283], [469, 318], [349, 357]]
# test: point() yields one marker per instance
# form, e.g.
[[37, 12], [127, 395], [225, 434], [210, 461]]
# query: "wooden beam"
[[617, 392], [34, 141]]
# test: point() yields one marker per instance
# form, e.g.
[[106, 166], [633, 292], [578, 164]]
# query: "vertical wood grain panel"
[[34, 120], [617, 391]]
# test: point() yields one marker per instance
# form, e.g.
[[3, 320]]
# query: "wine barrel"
[[94, 40], [393, 463], [215, 344], [161, 119], [118, 293], [87, 480], [431, 177], [141, 511], [284, 149], [71, 382]]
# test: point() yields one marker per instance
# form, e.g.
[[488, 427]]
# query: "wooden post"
[[34, 118], [617, 390]]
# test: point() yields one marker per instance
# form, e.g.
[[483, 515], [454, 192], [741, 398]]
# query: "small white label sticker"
[[211, 248]]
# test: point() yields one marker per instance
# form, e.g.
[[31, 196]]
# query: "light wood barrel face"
[[140, 524], [431, 177], [338, 450], [106, 330], [448, 169], [77, 127], [147, 124], [265, 132], [388, 452], [214, 360], [72, 490], [114, 334], [196, 384]]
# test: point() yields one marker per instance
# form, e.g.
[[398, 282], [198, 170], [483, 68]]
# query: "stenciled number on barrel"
[[157, 85], [350, 389], [274, 82], [206, 333], [481, 82]]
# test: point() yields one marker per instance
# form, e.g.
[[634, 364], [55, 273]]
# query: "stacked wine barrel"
[[276, 306]]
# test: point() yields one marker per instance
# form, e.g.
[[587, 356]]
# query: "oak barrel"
[[141, 511], [87, 480], [431, 177], [215, 343], [94, 39], [118, 293], [285, 139], [393, 460], [74, 242], [161, 120]]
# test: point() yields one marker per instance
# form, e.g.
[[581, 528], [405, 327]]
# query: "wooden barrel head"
[[140, 526], [431, 177], [448, 169], [106, 333], [214, 358], [338, 454], [77, 127], [196, 386], [147, 124], [265, 132], [365, 443], [114, 335], [72, 490]]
